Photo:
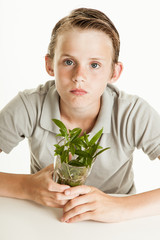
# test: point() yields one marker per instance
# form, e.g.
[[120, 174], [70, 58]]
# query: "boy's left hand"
[[92, 204]]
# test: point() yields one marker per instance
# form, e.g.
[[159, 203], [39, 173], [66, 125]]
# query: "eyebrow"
[[97, 58], [92, 58]]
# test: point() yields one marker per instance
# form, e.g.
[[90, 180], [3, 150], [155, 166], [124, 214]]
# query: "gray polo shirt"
[[128, 122]]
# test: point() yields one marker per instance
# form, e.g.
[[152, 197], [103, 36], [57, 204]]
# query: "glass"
[[69, 175]]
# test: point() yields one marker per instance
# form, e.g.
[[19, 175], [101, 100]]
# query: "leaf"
[[99, 147], [78, 145], [86, 138], [60, 125], [84, 144], [62, 134], [95, 137], [74, 134], [82, 153], [78, 142], [65, 156], [76, 163], [72, 149], [59, 149], [74, 130], [101, 152], [93, 149]]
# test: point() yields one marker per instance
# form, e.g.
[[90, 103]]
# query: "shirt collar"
[[104, 117], [51, 110]]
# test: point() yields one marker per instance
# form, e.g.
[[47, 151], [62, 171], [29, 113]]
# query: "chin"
[[78, 104]]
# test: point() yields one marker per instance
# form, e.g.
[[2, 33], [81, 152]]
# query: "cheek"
[[63, 74]]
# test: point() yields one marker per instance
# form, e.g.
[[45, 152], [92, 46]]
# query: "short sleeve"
[[143, 128], [17, 121]]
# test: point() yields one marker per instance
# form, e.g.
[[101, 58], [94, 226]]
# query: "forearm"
[[13, 185], [142, 205]]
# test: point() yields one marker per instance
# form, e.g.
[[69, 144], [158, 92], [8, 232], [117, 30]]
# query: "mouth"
[[78, 92]]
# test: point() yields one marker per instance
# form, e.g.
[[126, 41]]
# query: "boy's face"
[[82, 66]]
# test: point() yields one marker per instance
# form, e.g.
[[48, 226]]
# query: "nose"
[[79, 74]]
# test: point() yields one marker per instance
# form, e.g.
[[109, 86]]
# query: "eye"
[[68, 62], [95, 65]]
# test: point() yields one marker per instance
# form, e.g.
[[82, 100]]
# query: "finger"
[[79, 190], [60, 196], [88, 207], [51, 200], [53, 204], [80, 217], [76, 202], [55, 187]]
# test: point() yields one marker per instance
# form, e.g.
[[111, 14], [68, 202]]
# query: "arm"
[[93, 204], [38, 187]]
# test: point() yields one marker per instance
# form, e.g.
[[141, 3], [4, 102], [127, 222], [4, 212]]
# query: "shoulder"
[[121, 96], [126, 102], [39, 91], [133, 120], [35, 97], [131, 111]]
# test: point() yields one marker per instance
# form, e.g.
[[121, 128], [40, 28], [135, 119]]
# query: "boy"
[[83, 58]]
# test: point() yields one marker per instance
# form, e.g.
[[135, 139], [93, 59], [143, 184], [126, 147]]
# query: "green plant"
[[77, 150]]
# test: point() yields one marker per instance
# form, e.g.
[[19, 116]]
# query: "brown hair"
[[86, 18]]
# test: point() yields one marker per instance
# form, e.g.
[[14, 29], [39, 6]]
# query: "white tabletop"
[[25, 220]]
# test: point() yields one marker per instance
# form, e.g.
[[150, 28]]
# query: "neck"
[[84, 118]]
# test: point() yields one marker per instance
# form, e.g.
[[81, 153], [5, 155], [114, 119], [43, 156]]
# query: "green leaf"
[[84, 144], [63, 133], [75, 163], [56, 145], [72, 149], [65, 156], [59, 149], [75, 144], [99, 147], [74, 130], [82, 153], [93, 149], [77, 141], [75, 133], [86, 138], [60, 125], [95, 137], [101, 152], [89, 161]]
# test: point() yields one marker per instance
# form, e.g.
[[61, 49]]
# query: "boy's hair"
[[86, 18]]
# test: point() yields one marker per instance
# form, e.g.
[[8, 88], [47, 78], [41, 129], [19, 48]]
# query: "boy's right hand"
[[41, 188]]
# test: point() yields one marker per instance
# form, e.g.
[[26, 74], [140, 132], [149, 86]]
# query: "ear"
[[118, 68], [49, 65]]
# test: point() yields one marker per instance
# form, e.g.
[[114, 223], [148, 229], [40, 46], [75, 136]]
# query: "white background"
[[25, 28]]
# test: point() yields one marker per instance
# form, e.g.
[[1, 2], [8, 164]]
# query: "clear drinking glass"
[[68, 174]]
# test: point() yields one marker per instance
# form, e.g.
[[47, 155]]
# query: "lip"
[[78, 91]]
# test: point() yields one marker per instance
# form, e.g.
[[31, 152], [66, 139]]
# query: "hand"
[[92, 204], [41, 189]]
